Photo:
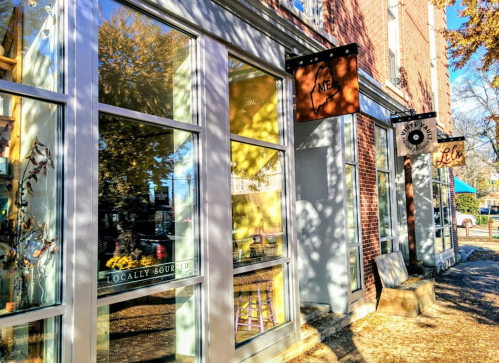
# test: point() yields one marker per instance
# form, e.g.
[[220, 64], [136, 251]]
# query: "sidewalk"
[[463, 325]]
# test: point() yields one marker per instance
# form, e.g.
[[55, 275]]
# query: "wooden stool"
[[258, 306]]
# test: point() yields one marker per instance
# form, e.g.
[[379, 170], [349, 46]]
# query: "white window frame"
[[393, 42], [443, 226], [86, 301], [393, 238], [360, 292], [285, 147]]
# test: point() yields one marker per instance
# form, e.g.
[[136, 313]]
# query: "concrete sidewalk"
[[463, 325]]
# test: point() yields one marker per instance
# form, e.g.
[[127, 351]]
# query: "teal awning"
[[462, 187]]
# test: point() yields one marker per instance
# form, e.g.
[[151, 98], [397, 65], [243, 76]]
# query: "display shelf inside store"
[[5, 120], [7, 64]]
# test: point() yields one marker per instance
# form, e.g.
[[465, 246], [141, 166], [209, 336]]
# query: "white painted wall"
[[322, 245]]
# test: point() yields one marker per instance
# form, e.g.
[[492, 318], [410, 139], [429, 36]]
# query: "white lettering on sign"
[[126, 276]]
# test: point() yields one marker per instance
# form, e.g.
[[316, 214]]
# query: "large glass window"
[[147, 204], [148, 191], [258, 207], [352, 201], [385, 190], [30, 204], [30, 51], [144, 64], [441, 210], [157, 328], [37, 341]]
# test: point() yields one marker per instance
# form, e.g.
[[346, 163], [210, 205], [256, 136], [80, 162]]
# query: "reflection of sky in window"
[[298, 5], [108, 8], [181, 187]]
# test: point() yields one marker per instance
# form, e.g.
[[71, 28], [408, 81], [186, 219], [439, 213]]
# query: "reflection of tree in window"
[[138, 59], [132, 157]]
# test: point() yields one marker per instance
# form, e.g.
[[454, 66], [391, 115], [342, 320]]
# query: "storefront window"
[[385, 190], [258, 201], [259, 303], [352, 199], [352, 216], [30, 203], [256, 208], [144, 64], [355, 283], [37, 341], [30, 52], [441, 209], [147, 204], [381, 148], [156, 328], [384, 205], [253, 110]]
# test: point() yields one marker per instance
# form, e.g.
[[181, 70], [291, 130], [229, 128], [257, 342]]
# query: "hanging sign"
[[416, 134], [326, 83], [450, 153]]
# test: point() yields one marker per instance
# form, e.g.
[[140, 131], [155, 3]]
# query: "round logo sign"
[[415, 137]]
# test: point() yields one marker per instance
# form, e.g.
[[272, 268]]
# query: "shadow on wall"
[[320, 213], [420, 96], [349, 21]]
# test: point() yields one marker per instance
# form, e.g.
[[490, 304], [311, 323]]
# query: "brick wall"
[[415, 55], [368, 203], [444, 105]]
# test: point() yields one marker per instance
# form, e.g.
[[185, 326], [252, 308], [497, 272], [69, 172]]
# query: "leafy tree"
[[138, 57], [479, 153], [475, 102], [467, 203], [479, 31]]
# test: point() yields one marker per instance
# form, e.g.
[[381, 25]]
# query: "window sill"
[[440, 124], [395, 89]]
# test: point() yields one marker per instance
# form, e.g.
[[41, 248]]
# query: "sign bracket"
[[334, 53]]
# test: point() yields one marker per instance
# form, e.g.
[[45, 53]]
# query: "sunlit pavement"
[[462, 326]]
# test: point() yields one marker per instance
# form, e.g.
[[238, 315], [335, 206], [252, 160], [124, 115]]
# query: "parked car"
[[462, 217], [493, 210]]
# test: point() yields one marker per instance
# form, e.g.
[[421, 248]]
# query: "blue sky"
[[453, 22]]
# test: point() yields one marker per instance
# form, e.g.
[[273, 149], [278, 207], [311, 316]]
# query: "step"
[[310, 311], [312, 334]]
